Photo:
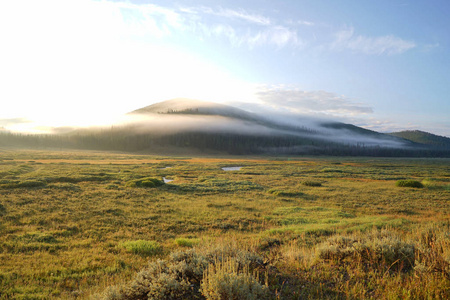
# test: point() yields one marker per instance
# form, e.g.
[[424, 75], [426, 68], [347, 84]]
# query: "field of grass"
[[91, 225]]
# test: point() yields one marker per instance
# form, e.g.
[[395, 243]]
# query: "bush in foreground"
[[377, 249], [225, 280], [181, 276]]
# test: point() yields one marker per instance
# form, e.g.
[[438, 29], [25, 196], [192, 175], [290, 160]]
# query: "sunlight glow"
[[70, 69]]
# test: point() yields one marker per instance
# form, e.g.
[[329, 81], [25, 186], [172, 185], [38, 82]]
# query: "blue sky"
[[382, 65]]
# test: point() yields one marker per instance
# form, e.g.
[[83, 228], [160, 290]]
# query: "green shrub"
[[225, 280], [409, 183], [145, 182], [142, 247]]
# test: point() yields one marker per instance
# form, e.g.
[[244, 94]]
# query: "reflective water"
[[231, 168], [167, 180]]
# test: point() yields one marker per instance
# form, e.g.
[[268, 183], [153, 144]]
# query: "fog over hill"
[[186, 124], [234, 120]]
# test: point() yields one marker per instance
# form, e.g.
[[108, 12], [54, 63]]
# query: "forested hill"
[[209, 127], [194, 107], [425, 138]]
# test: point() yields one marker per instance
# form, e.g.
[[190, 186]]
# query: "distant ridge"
[[422, 137]]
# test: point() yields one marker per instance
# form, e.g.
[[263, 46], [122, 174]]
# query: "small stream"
[[167, 180]]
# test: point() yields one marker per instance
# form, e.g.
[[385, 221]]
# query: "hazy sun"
[[62, 72]]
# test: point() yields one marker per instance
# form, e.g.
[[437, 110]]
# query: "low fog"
[[182, 115], [225, 119]]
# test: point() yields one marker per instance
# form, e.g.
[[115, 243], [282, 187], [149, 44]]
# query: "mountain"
[[195, 126], [424, 138], [269, 133], [194, 107]]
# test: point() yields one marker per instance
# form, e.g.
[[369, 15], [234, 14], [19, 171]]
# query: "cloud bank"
[[311, 102], [389, 44]]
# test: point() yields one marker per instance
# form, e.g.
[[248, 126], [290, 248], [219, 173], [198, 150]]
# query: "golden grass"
[[63, 239]]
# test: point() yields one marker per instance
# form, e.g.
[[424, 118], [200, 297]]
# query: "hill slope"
[[194, 107], [422, 137]]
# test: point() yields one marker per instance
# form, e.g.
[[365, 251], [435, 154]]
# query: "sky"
[[383, 65]]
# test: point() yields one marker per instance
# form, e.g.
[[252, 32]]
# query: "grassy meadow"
[[92, 225]]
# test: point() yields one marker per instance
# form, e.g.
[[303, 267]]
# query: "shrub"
[[112, 293], [242, 257], [225, 280], [145, 182], [378, 248], [190, 264], [409, 183], [180, 276], [159, 281], [142, 247]]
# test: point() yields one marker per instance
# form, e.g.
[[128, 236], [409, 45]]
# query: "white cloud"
[[311, 102], [389, 44], [232, 14], [276, 36], [239, 27]]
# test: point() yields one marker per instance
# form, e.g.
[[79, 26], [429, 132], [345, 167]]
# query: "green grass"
[[74, 223], [185, 242], [141, 247]]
